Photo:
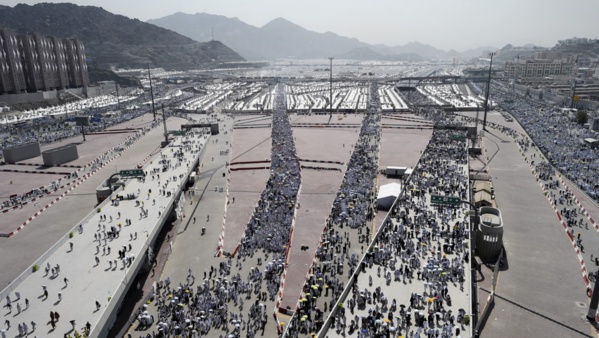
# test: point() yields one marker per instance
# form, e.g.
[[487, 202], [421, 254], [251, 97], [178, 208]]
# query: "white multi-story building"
[[528, 69]]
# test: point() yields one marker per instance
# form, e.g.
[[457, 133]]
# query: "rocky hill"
[[281, 38], [115, 40]]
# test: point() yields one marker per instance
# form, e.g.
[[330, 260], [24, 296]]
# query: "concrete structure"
[[528, 69], [60, 155], [490, 233], [388, 193], [107, 87], [12, 78], [483, 199], [214, 129], [32, 63], [395, 171], [21, 152], [593, 143], [107, 284]]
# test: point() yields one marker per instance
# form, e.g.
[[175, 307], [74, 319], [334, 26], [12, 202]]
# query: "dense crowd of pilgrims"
[[556, 134], [417, 242]]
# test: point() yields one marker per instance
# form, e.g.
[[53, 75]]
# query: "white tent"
[[388, 193]]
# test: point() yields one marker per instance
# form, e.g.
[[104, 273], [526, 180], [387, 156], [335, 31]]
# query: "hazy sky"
[[445, 24]]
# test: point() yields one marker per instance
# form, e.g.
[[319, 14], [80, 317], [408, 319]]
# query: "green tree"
[[582, 117]]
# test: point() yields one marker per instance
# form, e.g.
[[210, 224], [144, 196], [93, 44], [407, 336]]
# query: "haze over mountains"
[[281, 38], [115, 40]]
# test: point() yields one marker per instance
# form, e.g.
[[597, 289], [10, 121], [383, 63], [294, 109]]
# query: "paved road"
[[90, 269], [540, 294], [39, 235]]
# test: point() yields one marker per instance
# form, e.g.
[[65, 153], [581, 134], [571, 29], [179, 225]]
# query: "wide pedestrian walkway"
[[540, 258], [84, 277]]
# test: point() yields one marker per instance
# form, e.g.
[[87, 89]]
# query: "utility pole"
[[164, 123], [476, 122], [151, 91], [573, 98], [488, 90], [331, 87], [118, 98]]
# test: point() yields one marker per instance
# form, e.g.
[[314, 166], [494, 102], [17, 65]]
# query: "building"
[[33, 63], [12, 76], [547, 55], [576, 41], [535, 69]]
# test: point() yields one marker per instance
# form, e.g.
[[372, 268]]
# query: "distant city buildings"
[[33, 63], [538, 68], [577, 41]]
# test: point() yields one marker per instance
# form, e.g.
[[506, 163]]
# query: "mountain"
[[361, 53], [115, 40], [98, 73], [478, 52], [426, 51], [509, 52], [279, 38]]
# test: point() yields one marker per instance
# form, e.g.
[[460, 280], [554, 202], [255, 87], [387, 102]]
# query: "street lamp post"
[[573, 99], [476, 122], [164, 124], [151, 91], [488, 90], [331, 87]]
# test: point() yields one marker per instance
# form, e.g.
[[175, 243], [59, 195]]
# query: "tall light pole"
[[488, 90], [331, 87], [573, 98], [164, 123], [477, 110], [151, 91]]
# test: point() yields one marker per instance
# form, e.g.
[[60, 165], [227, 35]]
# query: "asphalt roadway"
[[20, 251], [540, 293], [86, 292]]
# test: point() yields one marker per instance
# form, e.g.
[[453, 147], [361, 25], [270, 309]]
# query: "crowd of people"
[[19, 199], [269, 228], [49, 130], [347, 224], [556, 134], [416, 243], [579, 225], [231, 299], [104, 232]]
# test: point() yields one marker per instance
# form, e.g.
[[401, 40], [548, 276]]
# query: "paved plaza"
[[80, 276], [347, 270]]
